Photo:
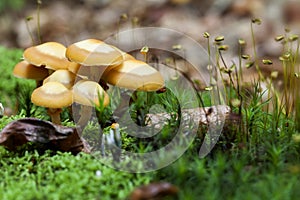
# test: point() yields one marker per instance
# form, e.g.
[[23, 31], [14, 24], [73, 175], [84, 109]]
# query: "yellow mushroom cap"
[[135, 75], [87, 93], [63, 76], [79, 71], [25, 70], [92, 52], [127, 56], [74, 67], [49, 54], [52, 95]]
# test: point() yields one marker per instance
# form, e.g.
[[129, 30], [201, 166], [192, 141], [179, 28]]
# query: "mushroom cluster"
[[76, 73]]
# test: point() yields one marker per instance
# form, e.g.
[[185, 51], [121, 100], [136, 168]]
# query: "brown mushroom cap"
[[92, 52], [49, 54], [63, 76], [87, 93], [135, 75], [25, 70], [52, 95]]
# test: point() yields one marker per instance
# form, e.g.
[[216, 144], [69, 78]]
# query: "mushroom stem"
[[54, 113]]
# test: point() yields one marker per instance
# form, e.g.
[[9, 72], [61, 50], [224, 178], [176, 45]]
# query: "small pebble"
[[98, 173]]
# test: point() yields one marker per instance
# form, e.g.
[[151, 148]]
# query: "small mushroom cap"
[[92, 52], [25, 70], [49, 54], [135, 75], [63, 76], [87, 93], [52, 95]]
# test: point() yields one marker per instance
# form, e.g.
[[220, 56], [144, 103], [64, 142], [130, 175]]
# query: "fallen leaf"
[[45, 135]]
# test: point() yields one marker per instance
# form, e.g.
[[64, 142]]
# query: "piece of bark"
[[154, 191], [203, 116], [43, 134]]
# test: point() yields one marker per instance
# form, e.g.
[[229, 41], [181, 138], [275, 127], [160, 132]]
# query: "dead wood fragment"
[[203, 116]]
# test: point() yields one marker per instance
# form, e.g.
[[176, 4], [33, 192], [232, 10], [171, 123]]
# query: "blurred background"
[[69, 21]]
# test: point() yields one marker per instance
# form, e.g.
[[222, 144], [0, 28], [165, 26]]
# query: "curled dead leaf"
[[45, 135]]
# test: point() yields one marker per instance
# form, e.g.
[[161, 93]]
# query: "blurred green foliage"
[[11, 5], [8, 59], [10, 85]]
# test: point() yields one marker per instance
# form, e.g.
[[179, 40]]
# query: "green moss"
[[62, 176]]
